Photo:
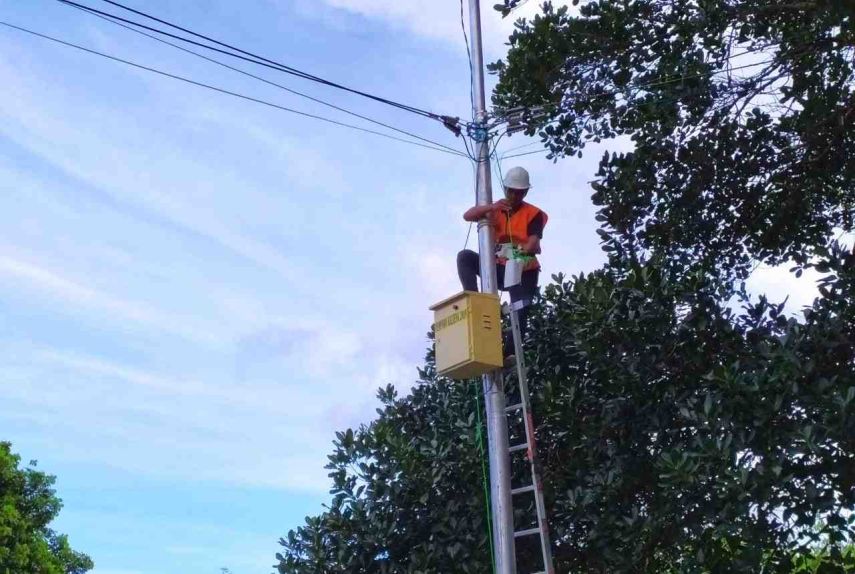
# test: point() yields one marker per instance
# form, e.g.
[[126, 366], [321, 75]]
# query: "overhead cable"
[[660, 82], [688, 77], [256, 58], [526, 153], [523, 146], [261, 79], [675, 79], [518, 111], [224, 91]]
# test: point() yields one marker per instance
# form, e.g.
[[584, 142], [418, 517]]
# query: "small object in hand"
[[505, 250]]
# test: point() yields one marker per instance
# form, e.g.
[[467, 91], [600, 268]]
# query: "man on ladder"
[[518, 228], [520, 225]]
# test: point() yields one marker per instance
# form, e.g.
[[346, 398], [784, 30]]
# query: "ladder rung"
[[513, 408], [529, 532], [522, 489], [518, 447]]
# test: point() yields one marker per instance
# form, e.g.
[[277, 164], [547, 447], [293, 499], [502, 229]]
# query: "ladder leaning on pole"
[[529, 447]]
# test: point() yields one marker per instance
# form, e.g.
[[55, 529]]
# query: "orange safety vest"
[[514, 229]]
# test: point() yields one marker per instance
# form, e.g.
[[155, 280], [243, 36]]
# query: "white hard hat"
[[517, 178]]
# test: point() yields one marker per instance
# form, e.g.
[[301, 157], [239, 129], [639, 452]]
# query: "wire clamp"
[[478, 132]]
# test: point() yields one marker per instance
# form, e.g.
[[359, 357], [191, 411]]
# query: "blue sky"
[[197, 291]]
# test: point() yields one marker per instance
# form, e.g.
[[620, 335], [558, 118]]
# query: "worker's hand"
[[501, 205]]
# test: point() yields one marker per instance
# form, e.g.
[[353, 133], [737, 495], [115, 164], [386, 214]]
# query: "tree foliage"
[[688, 433], [677, 435], [407, 493], [28, 504], [741, 112]]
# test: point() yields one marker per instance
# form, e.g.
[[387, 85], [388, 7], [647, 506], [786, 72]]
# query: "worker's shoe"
[[510, 361], [507, 343]]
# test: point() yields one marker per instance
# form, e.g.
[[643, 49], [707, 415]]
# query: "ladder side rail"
[[525, 399]]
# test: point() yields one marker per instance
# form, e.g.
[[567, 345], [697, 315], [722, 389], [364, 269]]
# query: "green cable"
[[479, 437]]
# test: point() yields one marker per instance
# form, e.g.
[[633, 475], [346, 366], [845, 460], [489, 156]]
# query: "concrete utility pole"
[[494, 392]]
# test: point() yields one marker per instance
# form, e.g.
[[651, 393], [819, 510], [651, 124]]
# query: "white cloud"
[[441, 20], [432, 268], [172, 427], [33, 276], [137, 175], [431, 19], [101, 367]]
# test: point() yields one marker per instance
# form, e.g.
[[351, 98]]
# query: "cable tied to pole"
[[479, 439], [478, 132]]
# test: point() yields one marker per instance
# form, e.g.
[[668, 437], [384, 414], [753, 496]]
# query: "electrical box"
[[468, 334]]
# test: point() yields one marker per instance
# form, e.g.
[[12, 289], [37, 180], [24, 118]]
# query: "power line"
[[662, 82], [265, 80], [638, 86], [652, 84], [695, 76], [526, 153], [469, 153], [523, 146], [223, 91], [257, 59]]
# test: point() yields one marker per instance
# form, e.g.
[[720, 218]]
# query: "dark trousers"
[[469, 269]]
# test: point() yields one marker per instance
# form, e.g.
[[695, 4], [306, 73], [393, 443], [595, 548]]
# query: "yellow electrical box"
[[468, 331]]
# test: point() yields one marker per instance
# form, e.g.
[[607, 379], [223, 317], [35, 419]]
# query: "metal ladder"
[[529, 447]]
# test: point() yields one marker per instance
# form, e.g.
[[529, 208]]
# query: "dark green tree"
[[408, 494], [741, 114], [677, 435], [28, 504]]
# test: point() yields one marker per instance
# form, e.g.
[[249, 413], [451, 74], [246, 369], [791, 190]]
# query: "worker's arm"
[[479, 212], [535, 234], [532, 246]]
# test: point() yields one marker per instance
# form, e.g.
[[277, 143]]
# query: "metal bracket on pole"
[[521, 118]]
